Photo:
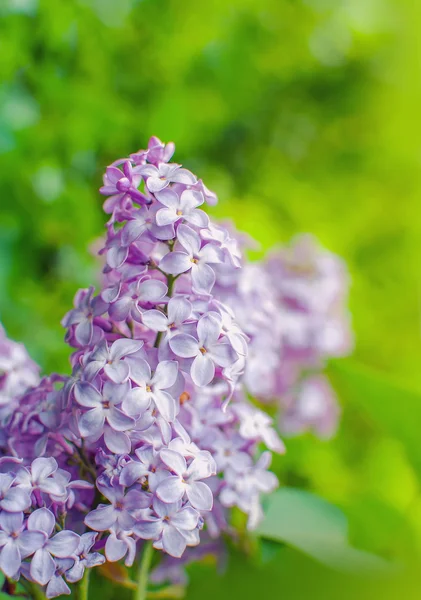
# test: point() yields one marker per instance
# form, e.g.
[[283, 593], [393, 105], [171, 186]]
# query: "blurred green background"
[[303, 116]]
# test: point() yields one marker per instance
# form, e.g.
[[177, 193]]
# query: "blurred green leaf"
[[394, 408], [317, 528]]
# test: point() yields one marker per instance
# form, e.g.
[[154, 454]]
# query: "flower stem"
[[83, 589], [36, 592], [145, 565]]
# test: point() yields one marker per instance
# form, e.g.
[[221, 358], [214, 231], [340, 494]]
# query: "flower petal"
[[117, 441], [184, 345], [140, 371], [208, 330], [42, 520], [57, 587], [116, 256], [179, 310], [16, 501], [173, 541], [203, 278], [190, 199], [87, 395], [43, 467], [10, 523], [42, 566], [132, 231], [101, 518], [202, 370], [200, 495], [223, 354], [63, 544], [119, 310], [118, 420], [92, 422], [84, 331], [189, 239], [155, 320], [30, 541], [171, 489], [165, 374], [115, 549], [148, 530], [175, 263], [136, 402], [186, 518], [166, 405], [152, 290], [168, 198], [198, 218], [175, 461], [123, 347], [166, 216], [117, 371]]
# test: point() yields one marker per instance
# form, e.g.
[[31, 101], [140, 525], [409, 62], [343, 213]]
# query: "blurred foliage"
[[303, 116]]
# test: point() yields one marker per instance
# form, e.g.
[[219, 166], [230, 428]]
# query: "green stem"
[[85, 462], [158, 339], [83, 589], [170, 279], [35, 591], [145, 565]]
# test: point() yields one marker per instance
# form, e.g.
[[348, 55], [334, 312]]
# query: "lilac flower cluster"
[[152, 436], [302, 321], [17, 373]]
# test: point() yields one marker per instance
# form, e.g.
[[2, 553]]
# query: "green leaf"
[[317, 528], [394, 408]]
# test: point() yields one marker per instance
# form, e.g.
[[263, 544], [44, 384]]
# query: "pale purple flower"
[[158, 151], [194, 258], [16, 543], [144, 220], [186, 480], [231, 452], [12, 499], [147, 291], [57, 586], [82, 316], [84, 558], [311, 406], [159, 177], [244, 490], [152, 389], [207, 349], [120, 544], [41, 476], [143, 470], [229, 245], [171, 526], [183, 206], [119, 511], [62, 545], [178, 312], [103, 410], [121, 186], [258, 426], [111, 359]]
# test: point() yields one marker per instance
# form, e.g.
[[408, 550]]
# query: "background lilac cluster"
[[293, 307], [152, 436]]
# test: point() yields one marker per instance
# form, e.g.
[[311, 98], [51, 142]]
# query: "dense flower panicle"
[[152, 436]]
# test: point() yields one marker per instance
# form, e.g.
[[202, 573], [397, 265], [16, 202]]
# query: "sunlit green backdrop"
[[303, 115]]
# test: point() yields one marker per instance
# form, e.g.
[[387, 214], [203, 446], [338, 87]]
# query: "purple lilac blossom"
[[153, 436]]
